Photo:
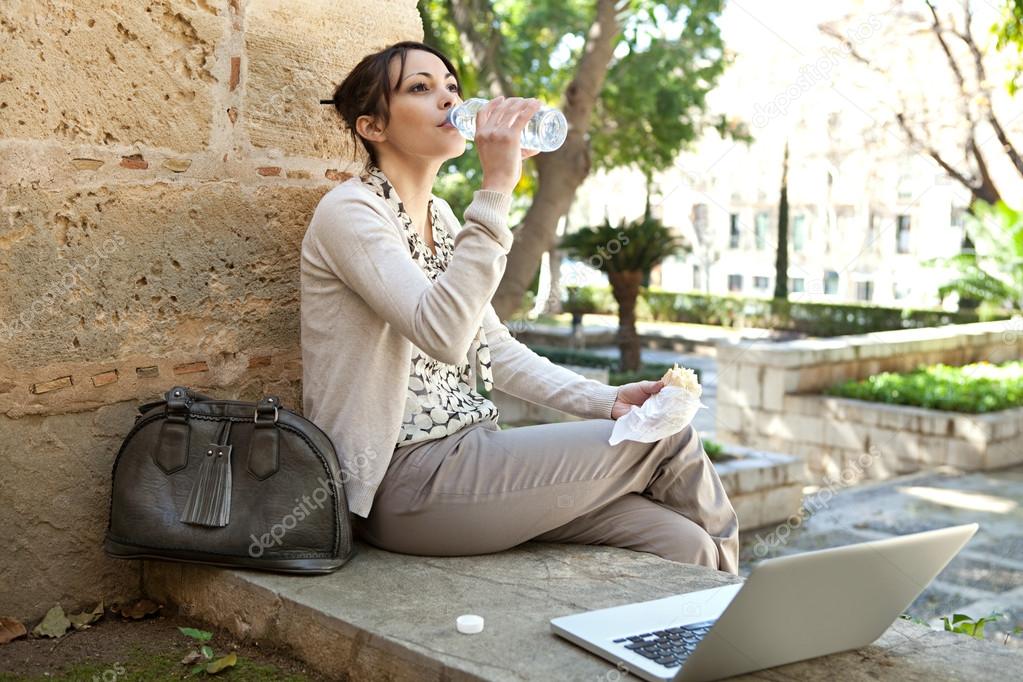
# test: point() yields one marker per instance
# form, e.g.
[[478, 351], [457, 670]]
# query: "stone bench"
[[387, 616]]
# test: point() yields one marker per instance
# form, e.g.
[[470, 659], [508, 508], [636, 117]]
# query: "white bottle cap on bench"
[[469, 624]]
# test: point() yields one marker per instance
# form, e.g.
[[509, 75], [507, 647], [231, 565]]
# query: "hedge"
[[802, 317]]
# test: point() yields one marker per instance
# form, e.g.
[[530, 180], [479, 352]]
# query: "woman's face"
[[419, 108]]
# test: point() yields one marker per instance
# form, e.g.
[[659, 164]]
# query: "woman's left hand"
[[636, 394], [526, 153]]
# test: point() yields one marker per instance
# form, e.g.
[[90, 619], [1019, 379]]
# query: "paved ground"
[[986, 576]]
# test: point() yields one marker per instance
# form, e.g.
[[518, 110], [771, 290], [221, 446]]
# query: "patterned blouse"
[[441, 399]]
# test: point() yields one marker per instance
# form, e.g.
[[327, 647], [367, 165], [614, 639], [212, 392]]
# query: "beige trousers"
[[484, 490]]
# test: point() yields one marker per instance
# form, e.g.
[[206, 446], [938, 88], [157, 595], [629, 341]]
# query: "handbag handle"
[[191, 397], [172, 449]]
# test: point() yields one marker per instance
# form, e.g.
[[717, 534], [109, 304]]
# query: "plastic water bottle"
[[545, 131]]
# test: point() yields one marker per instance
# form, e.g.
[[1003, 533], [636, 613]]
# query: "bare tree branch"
[[932, 152], [584, 88], [980, 185], [982, 86], [964, 100]]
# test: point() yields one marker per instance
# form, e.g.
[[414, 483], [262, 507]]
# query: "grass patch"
[[976, 388], [713, 449], [143, 666]]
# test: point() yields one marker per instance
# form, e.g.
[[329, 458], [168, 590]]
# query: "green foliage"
[[977, 388], [670, 54], [802, 317], [993, 271], [201, 635], [713, 449], [964, 625], [587, 299], [812, 319], [632, 246], [1008, 32], [653, 101]]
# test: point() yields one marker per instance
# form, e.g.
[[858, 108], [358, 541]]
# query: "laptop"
[[790, 608]]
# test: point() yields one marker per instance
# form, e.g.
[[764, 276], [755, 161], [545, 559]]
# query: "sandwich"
[[684, 378]]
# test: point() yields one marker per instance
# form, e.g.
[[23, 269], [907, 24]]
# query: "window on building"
[[735, 282], [700, 223], [761, 226], [900, 290], [733, 230], [797, 285], [830, 282], [696, 276], [902, 234], [798, 232], [761, 283], [864, 291]]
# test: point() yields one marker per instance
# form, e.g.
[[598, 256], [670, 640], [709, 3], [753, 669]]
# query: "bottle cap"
[[469, 624]]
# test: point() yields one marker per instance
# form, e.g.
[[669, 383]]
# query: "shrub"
[[975, 388]]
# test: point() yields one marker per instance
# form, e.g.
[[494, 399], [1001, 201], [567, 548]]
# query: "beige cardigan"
[[364, 299]]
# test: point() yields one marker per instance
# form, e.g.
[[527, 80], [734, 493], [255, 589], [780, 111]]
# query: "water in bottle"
[[545, 131]]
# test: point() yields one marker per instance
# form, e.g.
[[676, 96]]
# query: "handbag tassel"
[[209, 501]]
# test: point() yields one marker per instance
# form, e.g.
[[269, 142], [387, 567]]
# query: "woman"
[[396, 321]]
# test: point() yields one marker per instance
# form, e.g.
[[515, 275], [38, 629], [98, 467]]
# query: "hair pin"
[[326, 101]]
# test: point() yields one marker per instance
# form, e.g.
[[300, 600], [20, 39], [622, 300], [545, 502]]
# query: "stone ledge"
[[803, 352], [387, 616]]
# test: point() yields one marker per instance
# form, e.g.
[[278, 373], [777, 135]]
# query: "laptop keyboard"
[[669, 647]]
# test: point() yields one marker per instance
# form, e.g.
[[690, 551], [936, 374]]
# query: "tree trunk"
[[625, 287], [781, 267], [561, 172], [552, 306]]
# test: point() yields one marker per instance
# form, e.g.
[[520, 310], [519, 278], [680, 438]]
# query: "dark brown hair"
[[366, 90]]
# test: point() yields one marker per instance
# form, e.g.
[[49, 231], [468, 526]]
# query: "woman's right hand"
[[499, 126]]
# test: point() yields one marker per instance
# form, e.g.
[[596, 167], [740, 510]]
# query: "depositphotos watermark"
[[307, 504], [816, 502], [811, 74], [58, 289]]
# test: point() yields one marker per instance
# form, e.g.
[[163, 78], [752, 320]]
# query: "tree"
[[633, 95], [1009, 35], [627, 254], [965, 62], [781, 263], [993, 272]]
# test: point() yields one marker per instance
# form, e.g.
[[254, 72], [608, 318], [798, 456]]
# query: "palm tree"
[[993, 270], [627, 254]]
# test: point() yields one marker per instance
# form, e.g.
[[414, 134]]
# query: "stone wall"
[[770, 396], [765, 488], [159, 163]]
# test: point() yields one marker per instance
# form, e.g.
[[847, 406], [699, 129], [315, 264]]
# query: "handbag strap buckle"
[[267, 406]]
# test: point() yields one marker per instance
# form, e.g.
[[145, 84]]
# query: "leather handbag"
[[228, 483]]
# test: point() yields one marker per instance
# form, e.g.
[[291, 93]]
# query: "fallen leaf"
[[221, 663], [201, 635], [207, 652], [10, 630], [82, 621], [191, 657], [54, 623], [140, 609]]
